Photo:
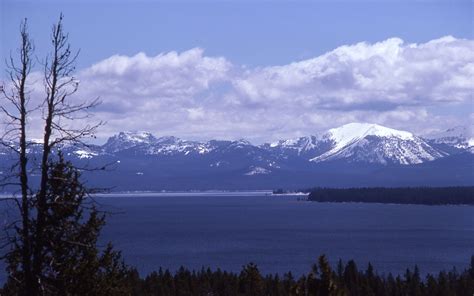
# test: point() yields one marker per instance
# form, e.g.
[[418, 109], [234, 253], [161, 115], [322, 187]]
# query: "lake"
[[282, 233]]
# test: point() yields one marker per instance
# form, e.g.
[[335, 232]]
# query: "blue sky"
[[252, 37], [257, 34]]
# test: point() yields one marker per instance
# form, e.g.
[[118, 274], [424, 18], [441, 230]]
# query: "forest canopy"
[[400, 195]]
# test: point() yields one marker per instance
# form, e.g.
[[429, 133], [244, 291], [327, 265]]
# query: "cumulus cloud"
[[383, 75], [141, 82], [192, 95]]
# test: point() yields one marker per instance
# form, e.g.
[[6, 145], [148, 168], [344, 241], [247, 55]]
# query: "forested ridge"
[[399, 195], [346, 279]]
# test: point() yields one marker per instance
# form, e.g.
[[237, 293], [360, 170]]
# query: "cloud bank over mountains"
[[192, 95]]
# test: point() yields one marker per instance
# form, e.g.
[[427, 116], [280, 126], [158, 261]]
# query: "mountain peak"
[[367, 142], [128, 139], [352, 142], [351, 132], [136, 136], [241, 142]]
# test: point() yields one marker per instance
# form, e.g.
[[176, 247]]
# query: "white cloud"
[[195, 96], [141, 82], [381, 75]]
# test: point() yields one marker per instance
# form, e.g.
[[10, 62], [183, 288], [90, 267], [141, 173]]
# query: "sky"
[[259, 70]]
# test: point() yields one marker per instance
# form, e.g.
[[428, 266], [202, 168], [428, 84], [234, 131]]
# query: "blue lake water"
[[281, 233]]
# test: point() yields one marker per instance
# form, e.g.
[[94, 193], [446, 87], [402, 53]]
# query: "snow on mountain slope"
[[257, 171], [353, 142], [372, 143], [173, 145], [85, 153], [299, 145], [298, 149], [145, 143], [460, 137], [126, 140], [352, 132]]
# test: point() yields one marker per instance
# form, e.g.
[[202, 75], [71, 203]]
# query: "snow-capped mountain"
[[355, 154], [127, 140], [307, 147], [372, 143], [459, 137], [147, 144], [351, 143]]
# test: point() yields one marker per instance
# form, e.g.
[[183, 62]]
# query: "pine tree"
[[73, 261], [351, 278], [312, 281], [251, 281], [327, 284], [471, 268]]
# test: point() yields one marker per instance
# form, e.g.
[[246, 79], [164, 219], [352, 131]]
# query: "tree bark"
[[26, 252]]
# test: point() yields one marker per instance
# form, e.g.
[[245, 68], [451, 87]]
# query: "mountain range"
[[353, 155]]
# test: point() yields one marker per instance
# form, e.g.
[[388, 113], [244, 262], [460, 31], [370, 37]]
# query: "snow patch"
[[470, 142], [300, 145], [460, 137], [218, 164], [83, 154], [258, 171]]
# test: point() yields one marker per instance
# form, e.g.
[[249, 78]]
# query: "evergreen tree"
[[288, 283], [351, 278], [312, 282], [327, 286], [73, 261], [251, 281], [471, 268]]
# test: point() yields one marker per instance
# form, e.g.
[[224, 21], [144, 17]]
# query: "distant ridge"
[[355, 154]]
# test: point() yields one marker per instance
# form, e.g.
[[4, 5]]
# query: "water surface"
[[280, 233]]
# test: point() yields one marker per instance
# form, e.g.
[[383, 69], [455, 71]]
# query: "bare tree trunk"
[[41, 196], [59, 85], [25, 64], [18, 99]]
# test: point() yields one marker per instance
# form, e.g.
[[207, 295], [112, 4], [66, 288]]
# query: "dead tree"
[[59, 85], [31, 242], [16, 120]]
